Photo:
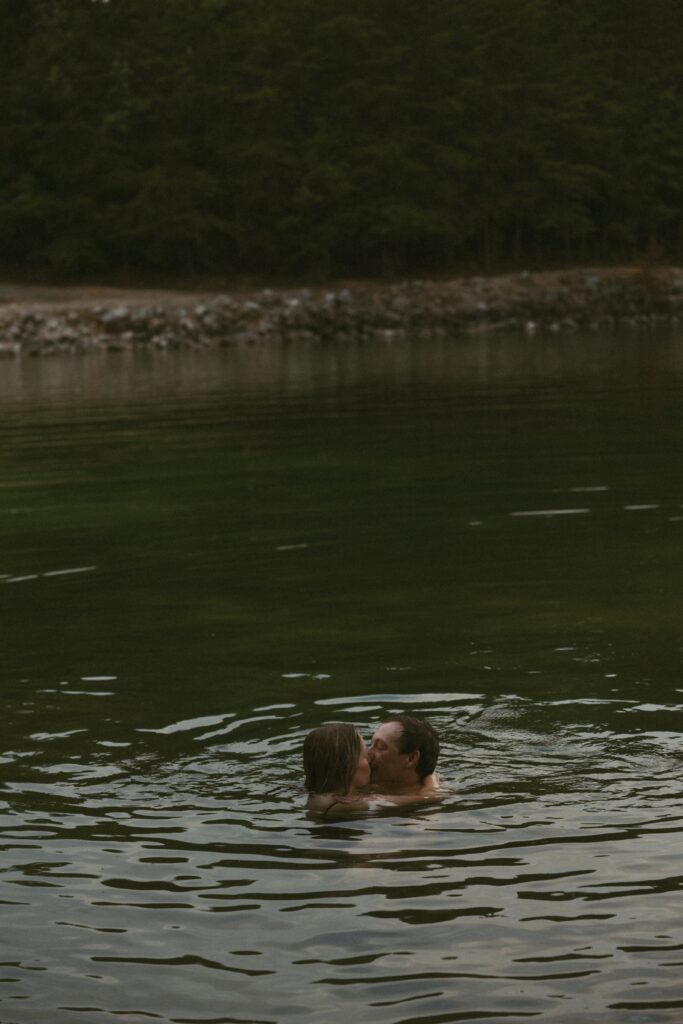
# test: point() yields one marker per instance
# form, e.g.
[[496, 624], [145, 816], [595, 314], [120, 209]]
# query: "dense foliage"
[[337, 136]]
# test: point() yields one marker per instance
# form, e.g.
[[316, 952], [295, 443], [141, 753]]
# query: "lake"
[[205, 555]]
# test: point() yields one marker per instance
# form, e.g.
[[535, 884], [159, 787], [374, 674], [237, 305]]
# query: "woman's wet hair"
[[331, 755]]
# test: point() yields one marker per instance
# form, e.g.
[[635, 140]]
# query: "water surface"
[[204, 555]]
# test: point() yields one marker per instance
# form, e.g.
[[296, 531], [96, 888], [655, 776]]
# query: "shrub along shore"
[[36, 321]]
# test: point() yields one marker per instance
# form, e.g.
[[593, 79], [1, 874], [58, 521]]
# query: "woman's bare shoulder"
[[331, 805]]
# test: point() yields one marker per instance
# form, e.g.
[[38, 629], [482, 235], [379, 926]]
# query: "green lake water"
[[204, 555]]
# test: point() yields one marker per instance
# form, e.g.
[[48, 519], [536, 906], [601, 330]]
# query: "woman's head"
[[335, 759]]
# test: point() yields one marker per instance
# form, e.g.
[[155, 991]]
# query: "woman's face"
[[361, 777]]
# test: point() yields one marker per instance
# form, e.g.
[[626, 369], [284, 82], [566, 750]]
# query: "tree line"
[[329, 137]]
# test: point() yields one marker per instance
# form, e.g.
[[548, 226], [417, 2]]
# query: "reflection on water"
[[544, 884], [205, 556]]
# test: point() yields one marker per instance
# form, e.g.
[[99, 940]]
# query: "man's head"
[[404, 751]]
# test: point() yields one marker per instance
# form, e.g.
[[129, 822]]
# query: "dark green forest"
[[318, 138]]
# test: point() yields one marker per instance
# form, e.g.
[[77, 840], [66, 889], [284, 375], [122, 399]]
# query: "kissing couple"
[[345, 777]]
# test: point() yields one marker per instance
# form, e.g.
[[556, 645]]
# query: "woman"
[[337, 769]]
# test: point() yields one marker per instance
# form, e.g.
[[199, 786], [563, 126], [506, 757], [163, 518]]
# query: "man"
[[403, 757]]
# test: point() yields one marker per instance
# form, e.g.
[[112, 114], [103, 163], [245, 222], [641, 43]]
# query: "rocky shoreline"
[[45, 321]]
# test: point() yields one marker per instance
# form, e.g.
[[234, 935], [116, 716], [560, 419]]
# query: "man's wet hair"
[[418, 734]]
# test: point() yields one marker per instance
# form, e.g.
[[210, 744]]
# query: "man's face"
[[388, 766]]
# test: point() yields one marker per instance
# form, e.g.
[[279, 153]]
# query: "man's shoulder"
[[428, 789]]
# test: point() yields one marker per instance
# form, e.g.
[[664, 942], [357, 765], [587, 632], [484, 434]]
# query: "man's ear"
[[413, 758]]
